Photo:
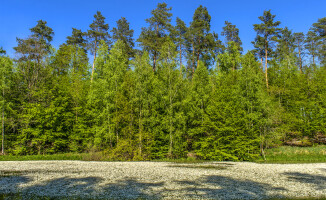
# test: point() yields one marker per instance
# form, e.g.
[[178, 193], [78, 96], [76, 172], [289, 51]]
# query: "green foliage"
[[231, 33], [124, 33], [54, 101], [153, 37]]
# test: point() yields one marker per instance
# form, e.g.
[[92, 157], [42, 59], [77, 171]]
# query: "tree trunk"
[[154, 65], [116, 112], [193, 59], [170, 117], [262, 147], [266, 67], [140, 133], [300, 60], [3, 125], [180, 61], [93, 68], [197, 60]]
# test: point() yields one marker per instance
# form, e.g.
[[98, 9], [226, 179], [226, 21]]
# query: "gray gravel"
[[162, 180]]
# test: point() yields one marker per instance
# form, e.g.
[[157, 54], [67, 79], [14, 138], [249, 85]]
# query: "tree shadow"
[[221, 187], [131, 188], [323, 169], [63, 187], [81, 188], [11, 183], [318, 181], [206, 187]]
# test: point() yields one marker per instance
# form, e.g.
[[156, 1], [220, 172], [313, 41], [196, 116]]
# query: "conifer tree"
[[286, 44], [33, 50], [199, 100], [34, 79], [106, 94], [77, 38], [299, 39], [312, 44], [124, 33], [180, 37], [320, 29], [98, 31], [2, 51], [153, 37], [170, 83], [230, 59], [267, 33], [201, 40], [6, 73], [144, 102], [231, 33]]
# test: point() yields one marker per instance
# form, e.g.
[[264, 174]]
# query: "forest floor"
[[160, 180]]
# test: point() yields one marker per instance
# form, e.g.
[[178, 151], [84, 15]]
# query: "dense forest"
[[175, 92]]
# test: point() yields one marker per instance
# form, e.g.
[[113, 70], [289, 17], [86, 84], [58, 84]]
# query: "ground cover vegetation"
[[185, 92]]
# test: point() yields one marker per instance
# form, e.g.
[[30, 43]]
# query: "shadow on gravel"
[[77, 188], [207, 187], [10, 183], [318, 181], [64, 187], [220, 187], [131, 188]]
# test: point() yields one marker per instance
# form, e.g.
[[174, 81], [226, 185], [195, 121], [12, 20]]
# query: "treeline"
[[184, 93]]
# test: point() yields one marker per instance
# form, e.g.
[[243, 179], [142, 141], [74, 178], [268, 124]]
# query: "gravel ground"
[[162, 180]]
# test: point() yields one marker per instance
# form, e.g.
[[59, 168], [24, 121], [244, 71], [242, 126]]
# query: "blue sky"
[[18, 16]]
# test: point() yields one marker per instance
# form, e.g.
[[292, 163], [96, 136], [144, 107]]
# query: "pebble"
[[162, 180]]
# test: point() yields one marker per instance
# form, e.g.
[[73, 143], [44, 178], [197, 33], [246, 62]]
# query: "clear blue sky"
[[18, 16]]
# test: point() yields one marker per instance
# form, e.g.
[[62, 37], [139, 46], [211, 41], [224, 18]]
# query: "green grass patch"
[[67, 156], [288, 154]]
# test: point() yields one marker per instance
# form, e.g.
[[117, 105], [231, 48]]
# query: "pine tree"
[[33, 50], [98, 31], [153, 37], [231, 33], [124, 33], [180, 37], [299, 39], [286, 44], [34, 80], [320, 29], [199, 36], [312, 44], [77, 39], [2, 51], [267, 33]]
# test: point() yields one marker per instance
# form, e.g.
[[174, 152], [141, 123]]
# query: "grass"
[[67, 156], [287, 154], [283, 154]]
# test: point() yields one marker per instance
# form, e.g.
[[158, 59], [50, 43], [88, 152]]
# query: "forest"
[[176, 91]]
